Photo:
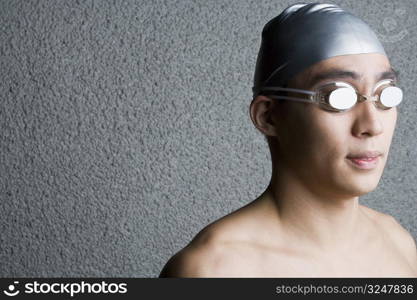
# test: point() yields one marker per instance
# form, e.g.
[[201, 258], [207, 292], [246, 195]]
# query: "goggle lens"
[[344, 98], [391, 96]]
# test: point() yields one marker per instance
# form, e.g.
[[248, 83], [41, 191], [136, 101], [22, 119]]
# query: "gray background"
[[125, 128]]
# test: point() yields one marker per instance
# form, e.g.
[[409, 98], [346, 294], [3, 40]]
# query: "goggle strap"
[[277, 89], [291, 98]]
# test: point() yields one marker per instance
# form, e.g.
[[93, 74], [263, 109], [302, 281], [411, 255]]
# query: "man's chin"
[[360, 188], [361, 182]]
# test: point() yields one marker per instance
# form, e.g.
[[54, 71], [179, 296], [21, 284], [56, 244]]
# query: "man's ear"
[[261, 112]]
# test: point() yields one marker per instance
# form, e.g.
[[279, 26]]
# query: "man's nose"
[[367, 120]]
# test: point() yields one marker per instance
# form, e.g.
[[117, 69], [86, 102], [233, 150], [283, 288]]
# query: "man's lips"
[[365, 160], [364, 155]]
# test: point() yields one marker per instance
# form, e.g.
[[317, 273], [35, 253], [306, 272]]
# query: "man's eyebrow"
[[390, 74], [340, 73]]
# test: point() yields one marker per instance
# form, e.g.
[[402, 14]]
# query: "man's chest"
[[383, 262]]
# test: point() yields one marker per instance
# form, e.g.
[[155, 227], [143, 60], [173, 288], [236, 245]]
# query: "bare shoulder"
[[207, 255], [228, 247], [403, 239], [396, 233], [192, 261]]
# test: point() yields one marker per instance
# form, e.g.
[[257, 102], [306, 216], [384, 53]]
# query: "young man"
[[324, 96]]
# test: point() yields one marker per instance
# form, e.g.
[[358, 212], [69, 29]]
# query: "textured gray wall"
[[125, 128]]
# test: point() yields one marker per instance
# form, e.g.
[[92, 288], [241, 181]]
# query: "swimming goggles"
[[341, 96]]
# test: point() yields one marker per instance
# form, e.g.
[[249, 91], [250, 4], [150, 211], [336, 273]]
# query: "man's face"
[[315, 144]]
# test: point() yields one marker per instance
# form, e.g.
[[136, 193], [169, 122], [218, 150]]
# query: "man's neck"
[[326, 223]]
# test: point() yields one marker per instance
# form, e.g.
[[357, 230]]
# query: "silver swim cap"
[[304, 34]]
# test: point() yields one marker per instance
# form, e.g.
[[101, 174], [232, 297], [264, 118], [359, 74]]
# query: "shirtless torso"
[[238, 245]]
